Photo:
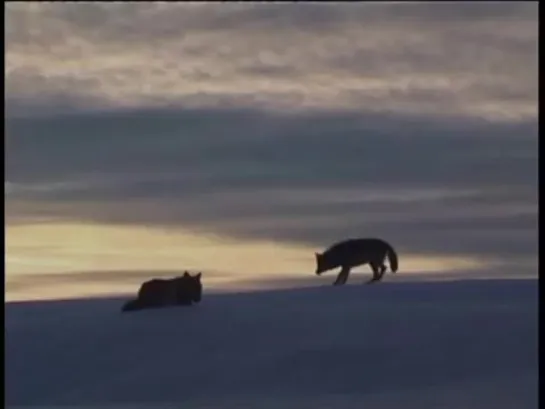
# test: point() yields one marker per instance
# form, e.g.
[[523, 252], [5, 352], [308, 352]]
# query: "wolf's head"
[[192, 286], [322, 263]]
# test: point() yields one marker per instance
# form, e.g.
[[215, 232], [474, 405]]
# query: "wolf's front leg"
[[343, 276]]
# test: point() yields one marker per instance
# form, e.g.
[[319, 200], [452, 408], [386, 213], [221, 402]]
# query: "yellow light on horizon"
[[62, 250]]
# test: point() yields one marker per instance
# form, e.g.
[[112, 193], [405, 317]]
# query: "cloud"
[[301, 123], [472, 59], [449, 187]]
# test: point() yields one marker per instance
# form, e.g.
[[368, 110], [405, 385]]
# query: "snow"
[[427, 344]]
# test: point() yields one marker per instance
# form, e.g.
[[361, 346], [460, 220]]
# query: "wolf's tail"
[[392, 258], [132, 305]]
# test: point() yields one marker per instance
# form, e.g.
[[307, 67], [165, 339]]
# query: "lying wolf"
[[184, 290]]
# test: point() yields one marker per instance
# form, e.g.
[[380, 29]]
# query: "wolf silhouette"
[[356, 252], [183, 290]]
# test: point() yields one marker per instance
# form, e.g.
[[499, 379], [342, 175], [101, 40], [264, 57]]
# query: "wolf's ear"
[[198, 276], [186, 274]]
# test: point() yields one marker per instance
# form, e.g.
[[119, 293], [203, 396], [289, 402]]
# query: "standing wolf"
[[357, 252]]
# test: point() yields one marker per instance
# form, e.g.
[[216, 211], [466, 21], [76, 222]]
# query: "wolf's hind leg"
[[343, 276], [376, 273], [381, 272]]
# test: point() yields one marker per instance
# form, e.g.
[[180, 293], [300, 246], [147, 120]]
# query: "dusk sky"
[[238, 139]]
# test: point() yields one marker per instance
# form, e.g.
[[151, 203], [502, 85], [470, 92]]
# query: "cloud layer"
[[471, 59], [298, 123], [440, 187]]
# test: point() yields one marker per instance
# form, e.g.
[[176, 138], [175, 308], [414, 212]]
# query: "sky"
[[238, 139]]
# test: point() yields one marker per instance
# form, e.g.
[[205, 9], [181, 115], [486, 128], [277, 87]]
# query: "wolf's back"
[[362, 249]]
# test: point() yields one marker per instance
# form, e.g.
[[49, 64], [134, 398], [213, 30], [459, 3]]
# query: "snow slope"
[[451, 344]]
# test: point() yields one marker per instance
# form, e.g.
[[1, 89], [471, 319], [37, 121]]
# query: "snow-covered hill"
[[454, 344]]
